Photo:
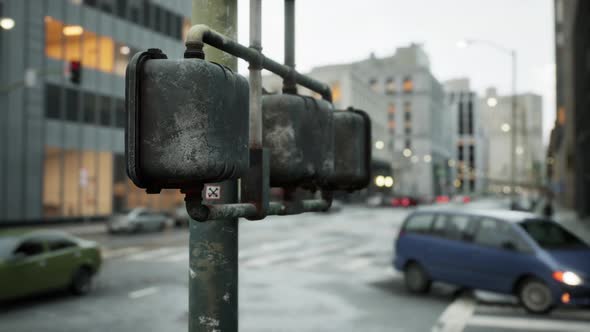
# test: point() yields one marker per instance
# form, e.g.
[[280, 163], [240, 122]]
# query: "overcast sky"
[[341, 31]]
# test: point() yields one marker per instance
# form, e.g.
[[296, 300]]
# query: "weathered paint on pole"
[[213, 257]]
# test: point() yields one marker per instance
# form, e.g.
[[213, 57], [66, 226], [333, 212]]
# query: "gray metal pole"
[[289, 85], [513, 135], [255, 77], [213, 245]]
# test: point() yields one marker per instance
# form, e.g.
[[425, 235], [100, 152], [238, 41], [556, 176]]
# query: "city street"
[[312, 272]]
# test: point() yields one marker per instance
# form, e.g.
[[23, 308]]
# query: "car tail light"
[[565, 298], [466, 199], [395, 202], [406, 202]]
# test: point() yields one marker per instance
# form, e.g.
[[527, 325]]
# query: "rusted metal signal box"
[[187, 122]]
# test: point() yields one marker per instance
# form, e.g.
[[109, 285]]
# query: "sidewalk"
[[569, 219], [80, 229]]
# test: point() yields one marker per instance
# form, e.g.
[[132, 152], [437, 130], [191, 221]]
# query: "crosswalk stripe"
[[152, 254], [527, 324], [266, 247], [115, 253], [356, 264], [183, 256], [292, 255]]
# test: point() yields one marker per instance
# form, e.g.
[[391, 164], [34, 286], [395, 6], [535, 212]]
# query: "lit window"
[[373, 85], [106, 46], [336, 92], [391, 124], [53, 38], [408, 84], [390, 87], [90, 50]]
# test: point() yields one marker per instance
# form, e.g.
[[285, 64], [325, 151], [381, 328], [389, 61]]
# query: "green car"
[[37, 261]]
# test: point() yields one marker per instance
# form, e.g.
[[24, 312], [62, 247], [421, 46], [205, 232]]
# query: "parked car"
[[509, 252], [138, 220], [38, 261]]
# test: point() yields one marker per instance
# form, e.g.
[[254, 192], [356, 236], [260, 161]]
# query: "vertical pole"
[[255, 77], [213, 245], [289, 85], [513, 135]]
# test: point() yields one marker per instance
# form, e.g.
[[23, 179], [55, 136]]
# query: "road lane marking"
[[456, 315], [115, 253], [356, 264], [143, 292], [527, 324]]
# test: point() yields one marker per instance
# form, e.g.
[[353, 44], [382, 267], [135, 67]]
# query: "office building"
[[62, 95], [470, 163]]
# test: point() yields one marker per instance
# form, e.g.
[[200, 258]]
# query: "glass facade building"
[[62, 141]]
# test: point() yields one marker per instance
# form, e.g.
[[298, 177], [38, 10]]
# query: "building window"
[[391, 111], [72, 106], [52, 101], [336, 92], [373, 84], [89, 109], [390, 86], [470, 117], [52, 184], [407, 112], [408, 144], [471, 156], [408, 85], [120, 114], [90, 51], [73, 43], [105, 110], [460, 153], [53, 38], [122, 54], [122, 8], [460, 118]]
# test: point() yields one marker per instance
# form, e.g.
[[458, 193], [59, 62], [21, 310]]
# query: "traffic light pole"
[[213, 245]]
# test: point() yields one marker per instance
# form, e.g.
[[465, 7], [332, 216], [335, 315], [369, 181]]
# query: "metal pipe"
[[289, 82], [199, 34], [255, 77], [206, 212]]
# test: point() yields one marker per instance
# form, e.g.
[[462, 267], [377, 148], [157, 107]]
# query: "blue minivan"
[[508, 252]]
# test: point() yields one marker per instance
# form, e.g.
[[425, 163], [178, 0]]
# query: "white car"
[[138, 220]]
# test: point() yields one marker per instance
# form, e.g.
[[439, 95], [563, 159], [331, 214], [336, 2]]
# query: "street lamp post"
[[512, 54]]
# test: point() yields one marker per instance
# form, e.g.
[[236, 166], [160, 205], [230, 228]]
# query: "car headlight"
[[567, 277]]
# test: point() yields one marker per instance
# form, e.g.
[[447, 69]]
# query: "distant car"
[[404, 201], [180, 216], [508, 252], [38, 261], [138, 220], [463, 199]]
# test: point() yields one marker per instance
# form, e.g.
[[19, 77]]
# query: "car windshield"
[[550, 235], [6, 247]]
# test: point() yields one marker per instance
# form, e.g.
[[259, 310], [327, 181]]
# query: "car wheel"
[[535, 296], [416, 278], [81, 281]]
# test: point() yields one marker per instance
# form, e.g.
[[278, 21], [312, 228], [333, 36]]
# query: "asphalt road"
[[312, 272]]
